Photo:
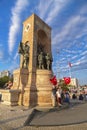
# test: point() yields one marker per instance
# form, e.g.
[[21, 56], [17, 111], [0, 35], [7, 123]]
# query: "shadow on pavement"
[[40, 113]]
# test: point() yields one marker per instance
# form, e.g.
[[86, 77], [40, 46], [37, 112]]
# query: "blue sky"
[[68, 20]]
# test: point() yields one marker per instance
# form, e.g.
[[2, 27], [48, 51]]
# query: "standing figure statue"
[[24, 50], [48, 61], [41, 60]]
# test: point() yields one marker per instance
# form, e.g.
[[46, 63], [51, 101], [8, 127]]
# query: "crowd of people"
[[81, 95], [59, 96]]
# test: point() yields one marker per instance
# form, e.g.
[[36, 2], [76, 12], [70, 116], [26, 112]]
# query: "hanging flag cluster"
[[53, 80], [67, 80]]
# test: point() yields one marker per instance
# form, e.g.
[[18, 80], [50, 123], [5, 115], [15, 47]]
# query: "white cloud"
[[56, 7], [43, 7], [16, 55], [83, 59], [74, 28], [67, 29], [15, 22], [70, 51], [80, 61], [84, 53], [50, 9], [74, 57]]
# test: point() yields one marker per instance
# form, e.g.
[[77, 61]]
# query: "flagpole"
[[69, 69], [58, 69]]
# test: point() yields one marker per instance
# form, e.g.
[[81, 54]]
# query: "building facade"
[[74, 82], [4, 73]]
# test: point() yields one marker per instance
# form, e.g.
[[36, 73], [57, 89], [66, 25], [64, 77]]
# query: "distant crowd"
[[81, 95], [59, 96]]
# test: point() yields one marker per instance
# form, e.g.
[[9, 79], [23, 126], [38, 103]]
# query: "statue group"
[[44, 61]]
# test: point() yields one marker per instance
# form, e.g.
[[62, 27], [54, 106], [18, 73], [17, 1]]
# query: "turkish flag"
[[67, 80], [53, 80]]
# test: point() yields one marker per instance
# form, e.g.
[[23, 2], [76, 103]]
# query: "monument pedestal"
[[28, 97], [20, 78], [44, 87], [35, 92], [10, 97]]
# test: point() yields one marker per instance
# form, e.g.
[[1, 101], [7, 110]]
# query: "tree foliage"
[[63, 85]]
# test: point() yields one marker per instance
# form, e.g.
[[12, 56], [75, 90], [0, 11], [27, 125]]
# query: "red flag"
[[67, 80], [70, 64], [53, 80]]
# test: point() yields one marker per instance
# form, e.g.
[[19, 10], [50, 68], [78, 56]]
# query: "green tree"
[[63, 85]]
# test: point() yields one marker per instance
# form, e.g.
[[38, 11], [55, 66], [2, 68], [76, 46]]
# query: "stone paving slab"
[[69, 127], [13, 118], [82, 126], [73, 115]]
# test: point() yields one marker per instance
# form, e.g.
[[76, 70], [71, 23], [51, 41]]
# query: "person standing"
[[67, 97], [58, 95], [54, 95]]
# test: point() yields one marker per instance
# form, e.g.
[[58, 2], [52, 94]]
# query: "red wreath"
[[53, 80], [67, 80]]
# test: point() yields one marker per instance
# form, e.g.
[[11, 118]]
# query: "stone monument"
[[33, 76]]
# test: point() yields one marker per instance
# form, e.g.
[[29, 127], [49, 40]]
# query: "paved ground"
[[73, 117]]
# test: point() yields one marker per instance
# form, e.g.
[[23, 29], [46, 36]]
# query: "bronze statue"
[[24, 50], [41, 60], [49, 60]]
